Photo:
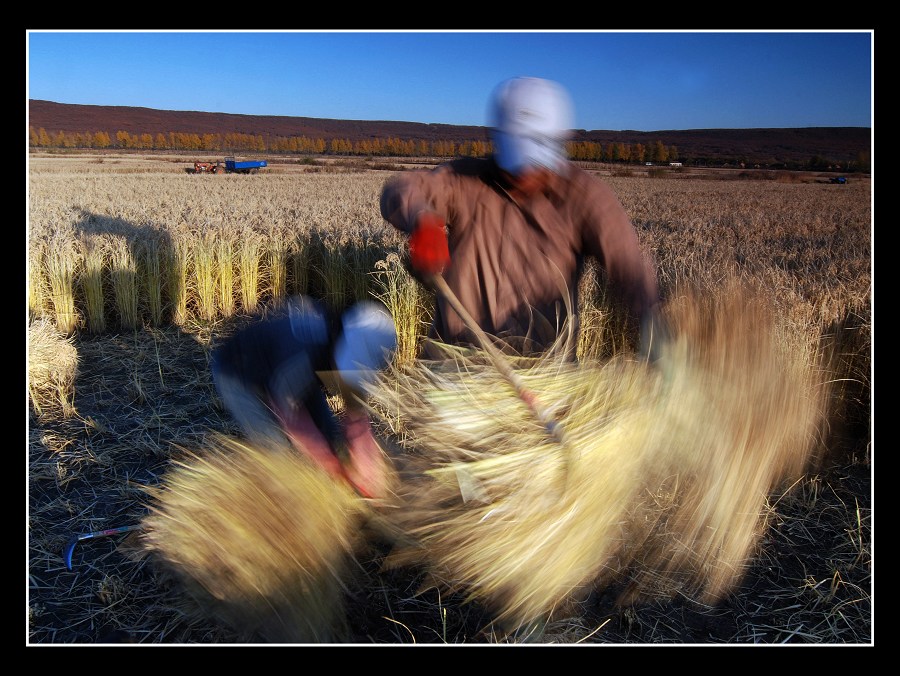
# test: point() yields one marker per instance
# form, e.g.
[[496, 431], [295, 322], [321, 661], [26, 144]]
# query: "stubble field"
[[136, 269]]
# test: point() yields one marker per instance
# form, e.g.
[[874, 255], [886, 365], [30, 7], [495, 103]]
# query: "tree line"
[[395, 147]]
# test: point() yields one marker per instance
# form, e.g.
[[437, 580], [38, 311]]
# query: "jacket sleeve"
[[609, 235], [408, 194]]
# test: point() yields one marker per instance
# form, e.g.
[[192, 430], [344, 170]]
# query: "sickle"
[[70, 547]]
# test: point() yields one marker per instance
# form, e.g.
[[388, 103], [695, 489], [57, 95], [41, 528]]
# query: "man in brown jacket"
[[510, 233]]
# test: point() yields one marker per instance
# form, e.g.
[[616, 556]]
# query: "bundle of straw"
[[739, 421], [664, 477], [260, 539], [52, 367]]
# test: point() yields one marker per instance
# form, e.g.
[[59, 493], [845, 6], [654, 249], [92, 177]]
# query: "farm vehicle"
[[207, 168], [229, 166], [250, 167]]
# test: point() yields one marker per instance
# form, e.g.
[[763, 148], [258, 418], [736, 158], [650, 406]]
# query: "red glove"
[[428, 250]]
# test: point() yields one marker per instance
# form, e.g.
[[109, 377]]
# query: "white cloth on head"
[[367, 343], [531, 118]]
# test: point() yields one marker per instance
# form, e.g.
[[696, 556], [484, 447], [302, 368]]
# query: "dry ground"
[[142, 397]]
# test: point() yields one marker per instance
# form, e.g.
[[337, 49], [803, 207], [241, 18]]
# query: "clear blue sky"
[[644, 81]]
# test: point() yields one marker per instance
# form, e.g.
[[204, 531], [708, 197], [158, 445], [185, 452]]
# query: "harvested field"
[[136, 269]]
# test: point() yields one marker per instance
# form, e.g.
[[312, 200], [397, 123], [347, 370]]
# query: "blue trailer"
[[251, 167]]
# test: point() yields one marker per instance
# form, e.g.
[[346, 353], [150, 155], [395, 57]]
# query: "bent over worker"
[[274, 377], [510, 233]]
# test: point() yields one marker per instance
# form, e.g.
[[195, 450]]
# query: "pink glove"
[[308, 439], [429, 253]]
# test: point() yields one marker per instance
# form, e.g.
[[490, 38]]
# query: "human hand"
[[429, 253], [306, 437], [366, 467]]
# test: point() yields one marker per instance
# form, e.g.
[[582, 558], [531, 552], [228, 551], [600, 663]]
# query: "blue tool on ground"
[[70, 547]]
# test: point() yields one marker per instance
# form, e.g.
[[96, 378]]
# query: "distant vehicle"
[[207, 168], [838, 179], [250, 167], [229, 166]]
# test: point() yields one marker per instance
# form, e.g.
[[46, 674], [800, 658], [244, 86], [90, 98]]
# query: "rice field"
[[135, 269]]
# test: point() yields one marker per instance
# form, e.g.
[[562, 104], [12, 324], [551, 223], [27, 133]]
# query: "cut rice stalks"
[[672, 468], [260, 539], [52, 368]]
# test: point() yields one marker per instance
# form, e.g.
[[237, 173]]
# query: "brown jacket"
[[508, 260]]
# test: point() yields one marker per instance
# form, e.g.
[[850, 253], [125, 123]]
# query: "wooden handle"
[[550, 424]]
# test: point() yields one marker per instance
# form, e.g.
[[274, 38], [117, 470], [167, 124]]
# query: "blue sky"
[[645, 81]]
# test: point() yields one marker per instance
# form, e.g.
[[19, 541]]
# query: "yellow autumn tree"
[[660, 152]]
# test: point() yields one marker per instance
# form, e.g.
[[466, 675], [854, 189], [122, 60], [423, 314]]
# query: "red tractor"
[[209, 168]]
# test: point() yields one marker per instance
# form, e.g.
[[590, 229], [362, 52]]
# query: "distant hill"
[[768, 147]]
